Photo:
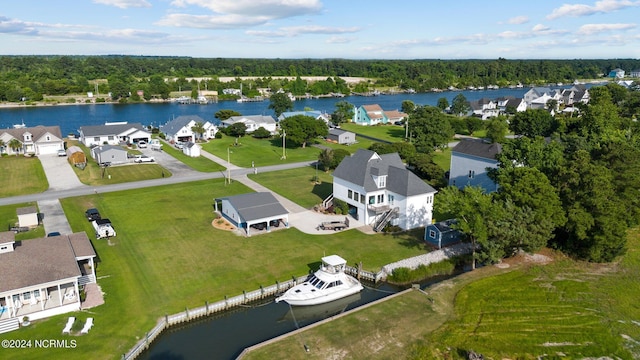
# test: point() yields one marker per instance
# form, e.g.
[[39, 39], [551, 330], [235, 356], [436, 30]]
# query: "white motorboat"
[[327, 284]]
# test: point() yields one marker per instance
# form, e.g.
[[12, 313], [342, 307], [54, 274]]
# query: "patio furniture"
[[67, 328], [87, 326], [70, 295]]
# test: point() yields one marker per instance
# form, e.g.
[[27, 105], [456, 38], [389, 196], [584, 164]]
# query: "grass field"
[[262, 152], [391, 133], [21, 175], [306, 192], [200, 163], [168, 257], [563, 309]]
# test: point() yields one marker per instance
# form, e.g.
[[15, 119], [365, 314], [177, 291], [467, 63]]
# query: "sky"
[[348, 29]]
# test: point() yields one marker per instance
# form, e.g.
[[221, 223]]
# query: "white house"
[[318, 115], [180, 129], [114, 134], [253, 122], [379, 190], [470, 161], [484, 108], [191, 149], [42, 277], [38, 140]]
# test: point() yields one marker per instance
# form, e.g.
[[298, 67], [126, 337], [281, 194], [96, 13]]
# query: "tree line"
[[32, 77]]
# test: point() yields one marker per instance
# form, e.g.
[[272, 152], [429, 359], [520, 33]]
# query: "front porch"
[[41, 303]]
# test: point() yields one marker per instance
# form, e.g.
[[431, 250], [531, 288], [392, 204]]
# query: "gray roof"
[[27, 210], [37, 132], [360, 168], [112, 129], [38, 261], [104, 148], [479, 148], [259, 205], [173, 126], [338, 132], [258, 119]]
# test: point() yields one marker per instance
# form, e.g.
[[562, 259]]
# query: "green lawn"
[[262, 152], [565, 309], [163, 261], [442, 158], [9, 217], [200, 163], [389, 132], [306, 192], [20, 175]]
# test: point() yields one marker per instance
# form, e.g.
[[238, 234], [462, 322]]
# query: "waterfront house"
[[470, 161], [370, 115], [260, 210], [379, 189], [42, 277], [253, 122], [109, 155], [616, 73], [341, 136], [37, 140], [442, 233], [395, 116], [484, 108], [576, 94], [180, 129], [318, 115], [510, 103], [534, 93], [114, 134]]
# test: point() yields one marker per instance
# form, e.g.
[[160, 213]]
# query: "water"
[[71, 117], [225, 336]]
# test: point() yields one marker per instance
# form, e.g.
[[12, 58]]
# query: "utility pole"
[[229, 165], [284, 154]]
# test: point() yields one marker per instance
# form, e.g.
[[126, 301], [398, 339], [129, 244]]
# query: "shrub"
[[340, 207], [405, 275], [218, 135]]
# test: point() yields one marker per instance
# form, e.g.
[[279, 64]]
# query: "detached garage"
[[259, 210]]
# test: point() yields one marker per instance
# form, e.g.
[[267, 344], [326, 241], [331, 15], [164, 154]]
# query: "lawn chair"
[[67, 328], [87, 326]]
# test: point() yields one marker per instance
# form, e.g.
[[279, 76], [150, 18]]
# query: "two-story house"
[[369, 115], [470, 161], [253, 122], [38, 140], [379, 189], [180, 129], [484, 108]]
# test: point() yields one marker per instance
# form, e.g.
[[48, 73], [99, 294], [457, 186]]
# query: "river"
[[71, 117]]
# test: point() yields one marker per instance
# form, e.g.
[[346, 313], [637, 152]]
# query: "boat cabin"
[[333, 264]]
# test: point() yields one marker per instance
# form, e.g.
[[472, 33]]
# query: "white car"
[[143, 158], [142, 144], [61, 152]]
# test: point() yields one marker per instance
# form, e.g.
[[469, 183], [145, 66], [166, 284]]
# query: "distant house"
[[27, 216], [341, 136], [318, 115], [370, 115], [253, 209], [41, 277], [543, 101], [109, 154], [114, 134], [484, 108], [191, 149], [510, 102], [576, 94], [180, 129], [379, 190], [38, 140], [635, 73], [534, 93], [616, 73], [470, 161], [253, 122], [395, 116], [442, 233]]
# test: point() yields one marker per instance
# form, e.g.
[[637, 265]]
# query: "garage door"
[[46, 149]]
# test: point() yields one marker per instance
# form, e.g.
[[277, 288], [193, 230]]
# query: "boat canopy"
[[333, 264]]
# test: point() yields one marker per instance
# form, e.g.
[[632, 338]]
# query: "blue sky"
[[372, 29]]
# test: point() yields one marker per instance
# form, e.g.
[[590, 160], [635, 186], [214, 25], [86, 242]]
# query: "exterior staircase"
[[326, 203], [385, 218], [86, 279], [9, 325]]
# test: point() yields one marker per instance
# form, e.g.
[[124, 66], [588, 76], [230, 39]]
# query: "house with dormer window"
[[180, 129], [380, 190], [38, 140]]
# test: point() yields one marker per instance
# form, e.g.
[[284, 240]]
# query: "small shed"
[[109, 154], [260, 210], [191, 149], [442, 233], [76, 156], [27, 216], [341, 136]]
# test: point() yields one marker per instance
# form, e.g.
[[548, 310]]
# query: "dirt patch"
[[223, 224]]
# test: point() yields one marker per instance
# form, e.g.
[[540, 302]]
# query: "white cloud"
[[211, 21], [338, 40], [603, 6], [540, 28], [518, 20], [301, 30], [275, 9], [590, 29], [124, 4]]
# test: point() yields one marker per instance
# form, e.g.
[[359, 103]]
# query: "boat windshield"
[[316, 282]]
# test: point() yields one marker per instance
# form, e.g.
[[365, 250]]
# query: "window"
[[96, 139], [382, 181], [469, 176], [432, 234], [372, 200], [391, 199], [48, 138], [380, 198], [26, 296], [362, 198], [350, 194], [36, 293], [110, 137], [355, 195]]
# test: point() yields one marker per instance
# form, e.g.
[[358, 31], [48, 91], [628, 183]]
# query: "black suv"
[[92, 214]]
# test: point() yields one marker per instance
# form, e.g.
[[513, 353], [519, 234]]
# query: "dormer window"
[[382, 181]]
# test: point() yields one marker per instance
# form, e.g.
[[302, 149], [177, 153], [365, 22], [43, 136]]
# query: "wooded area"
[[31, 77]]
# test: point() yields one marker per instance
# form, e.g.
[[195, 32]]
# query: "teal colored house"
[[370, 115], [442, 234]]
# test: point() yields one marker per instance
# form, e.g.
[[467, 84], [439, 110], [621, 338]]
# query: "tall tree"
[[443, 103], [430, 128], [198, 129], [460, 105], [224, 114], [15, 145], [497, 129], [343, 112], [280, 103], [533, 122], [407, 106], [301, 129]]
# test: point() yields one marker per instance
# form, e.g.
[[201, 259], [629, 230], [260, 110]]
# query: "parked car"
[[142, 144], [54, 233], [92, 214], [179, 145], [62, 152], [143, 158]]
